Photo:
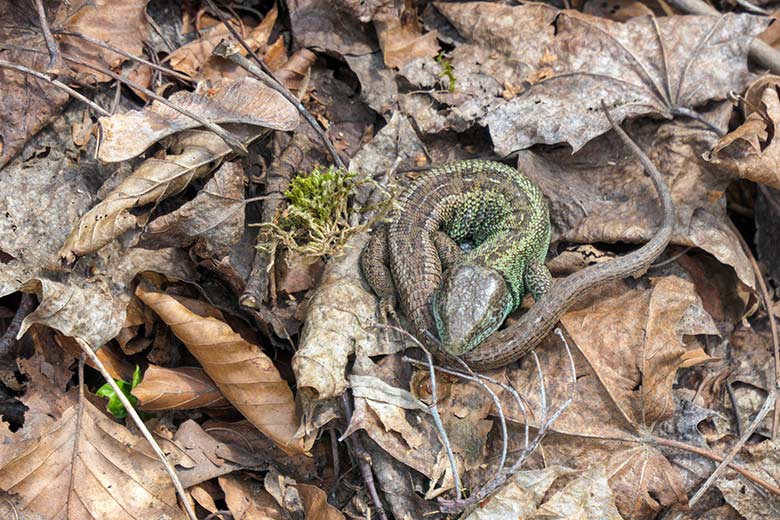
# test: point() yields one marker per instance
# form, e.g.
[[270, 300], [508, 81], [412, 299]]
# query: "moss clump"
[[316, 220]]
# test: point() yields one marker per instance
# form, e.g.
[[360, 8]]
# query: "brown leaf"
[[631, 349], [601, 193], [247, 500], [196, 60], [761, 460], [573, 61], [26, 104], [93, 308], [119, 23], [183, 388], [339, 313], [752, 151], [315, 503], [85, 466], [214, 219], [242, 372], [244, 100], [403, 42]]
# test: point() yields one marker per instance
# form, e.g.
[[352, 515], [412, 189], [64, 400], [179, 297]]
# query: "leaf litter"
[[134, 233]]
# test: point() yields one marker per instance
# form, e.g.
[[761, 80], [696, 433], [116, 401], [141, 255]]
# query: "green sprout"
[[115, 406], [446, 72]]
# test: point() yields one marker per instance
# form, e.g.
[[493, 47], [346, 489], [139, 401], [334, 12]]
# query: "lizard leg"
[[449, 250], [537, 279], [374, 263]]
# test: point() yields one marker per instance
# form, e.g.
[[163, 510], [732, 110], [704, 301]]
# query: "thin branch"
[[141, 427], [97, 108], [55, 65]]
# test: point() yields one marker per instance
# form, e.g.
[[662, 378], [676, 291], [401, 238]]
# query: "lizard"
[[469, 301]]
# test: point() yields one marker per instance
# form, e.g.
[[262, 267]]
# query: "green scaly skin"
[[463, 296]]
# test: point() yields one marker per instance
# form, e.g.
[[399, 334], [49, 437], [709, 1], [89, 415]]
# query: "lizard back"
[[496, 208]]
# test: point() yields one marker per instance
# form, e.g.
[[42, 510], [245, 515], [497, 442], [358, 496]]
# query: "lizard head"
[[471, 304]]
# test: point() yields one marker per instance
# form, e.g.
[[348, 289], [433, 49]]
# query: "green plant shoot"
[[115, 406]]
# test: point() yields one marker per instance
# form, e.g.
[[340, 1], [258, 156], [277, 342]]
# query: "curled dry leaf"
[[244, 100], [630, 349], [242, 372], [84, 465], [339, 321], [214, 219], [154, 180], [183, 388], [752, 151], [573, 61], [93, 308], [120, 23]]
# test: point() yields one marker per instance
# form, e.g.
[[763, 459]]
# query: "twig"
[[8, 339], [229, 52], [141, 427], [478, 379], [363, 460], [55, 65], [747, 6], [97, 108], [770, 401], [334, 449]]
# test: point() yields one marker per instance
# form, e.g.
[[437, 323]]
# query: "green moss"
[[316, 220]]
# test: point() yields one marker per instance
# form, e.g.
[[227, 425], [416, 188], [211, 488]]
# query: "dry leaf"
[[242, 372], [183, 388], [338, 321], [403, 42], [85, 466], [120, 23], [644, 66], [214, 219], [244, 100], [519, 497], [195, 58], [247, 500], [763, 460], [752, 151], [587, 496], [631, 349]]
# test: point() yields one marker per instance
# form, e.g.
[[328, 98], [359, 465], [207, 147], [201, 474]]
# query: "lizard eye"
[[470, 305]]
